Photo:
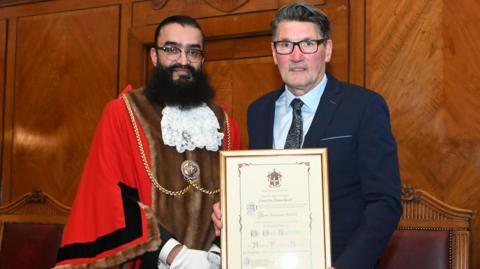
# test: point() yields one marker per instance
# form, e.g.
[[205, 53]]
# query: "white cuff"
[[214, 256], [215, 249], [171, 243]]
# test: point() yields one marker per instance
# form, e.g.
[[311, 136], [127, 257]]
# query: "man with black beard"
[[187, 91], [151, 178]]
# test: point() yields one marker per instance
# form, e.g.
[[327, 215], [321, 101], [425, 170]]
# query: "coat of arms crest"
[[274, 179]]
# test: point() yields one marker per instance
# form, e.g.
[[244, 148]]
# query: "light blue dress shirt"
[[283, 112]]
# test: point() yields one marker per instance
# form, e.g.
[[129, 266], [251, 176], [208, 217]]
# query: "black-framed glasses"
[[307, 46], [173, 53]]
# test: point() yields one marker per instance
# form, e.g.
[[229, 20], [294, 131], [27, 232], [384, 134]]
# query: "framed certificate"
[[275, 209]]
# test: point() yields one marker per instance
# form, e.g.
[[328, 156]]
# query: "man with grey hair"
[[315, 110]]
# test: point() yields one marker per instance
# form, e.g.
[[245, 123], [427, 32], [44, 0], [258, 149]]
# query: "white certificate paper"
[[275, 209]]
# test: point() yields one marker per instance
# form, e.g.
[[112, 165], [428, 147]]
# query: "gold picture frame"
[[275, 209]]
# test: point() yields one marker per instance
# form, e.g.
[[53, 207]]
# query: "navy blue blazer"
[[353, 123]]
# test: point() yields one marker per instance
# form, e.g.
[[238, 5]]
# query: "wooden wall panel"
[[240, 81], [238, 53], [423, 57], [144, 13], [3, 50], [458, 126], [17, 2], [7, 106], [147, 13], [66, 70], [64, 59]]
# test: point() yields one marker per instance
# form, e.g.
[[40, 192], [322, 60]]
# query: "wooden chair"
[[30, 231], [431, 234]]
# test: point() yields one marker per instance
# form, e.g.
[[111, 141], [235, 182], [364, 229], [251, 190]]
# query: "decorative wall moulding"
[[220, 5], [158, 4], [4, 3], [226, 5]]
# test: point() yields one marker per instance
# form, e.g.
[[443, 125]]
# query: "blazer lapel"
[[329, 102]]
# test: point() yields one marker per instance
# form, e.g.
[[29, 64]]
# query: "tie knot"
[[296, 104]]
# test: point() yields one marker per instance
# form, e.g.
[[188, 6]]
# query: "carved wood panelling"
[[143, 13], [8, 106], [226, 5], [55, 6], [241, 81], [3, 50], [151, 12], [423, 57], [18, 2], [157, 4], [65, 72], [238, 52], [237, 48], [457, 125], [461, 239]]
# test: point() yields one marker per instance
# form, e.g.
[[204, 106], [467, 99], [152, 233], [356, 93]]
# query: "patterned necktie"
[[295, 133]]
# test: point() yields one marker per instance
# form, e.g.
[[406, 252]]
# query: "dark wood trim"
[[138, 37], [125, 24], [6, 3], [356, 61], [8, 117], [3, 64], [47, 7]]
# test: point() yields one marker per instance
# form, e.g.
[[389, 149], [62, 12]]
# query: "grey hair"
[[302, 12]]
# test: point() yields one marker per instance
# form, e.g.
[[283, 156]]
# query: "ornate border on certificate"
[[275, 209]]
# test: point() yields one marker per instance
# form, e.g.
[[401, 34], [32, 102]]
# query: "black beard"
[[186, 92]]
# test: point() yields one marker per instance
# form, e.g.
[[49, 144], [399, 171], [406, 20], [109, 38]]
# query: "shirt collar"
[[311, 99]]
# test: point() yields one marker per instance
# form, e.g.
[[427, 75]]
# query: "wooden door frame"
[[140, 37]]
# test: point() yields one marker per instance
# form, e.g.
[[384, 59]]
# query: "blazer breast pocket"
[[337, 137], [339, 145]]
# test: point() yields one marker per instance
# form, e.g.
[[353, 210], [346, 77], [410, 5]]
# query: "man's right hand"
[[217, 218]]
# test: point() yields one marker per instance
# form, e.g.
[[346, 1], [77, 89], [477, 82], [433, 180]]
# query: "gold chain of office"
[[147, 168]]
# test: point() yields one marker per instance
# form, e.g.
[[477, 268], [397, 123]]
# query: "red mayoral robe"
[[113, 221]]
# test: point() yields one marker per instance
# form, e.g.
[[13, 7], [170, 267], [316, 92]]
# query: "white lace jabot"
[[188, 129]]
